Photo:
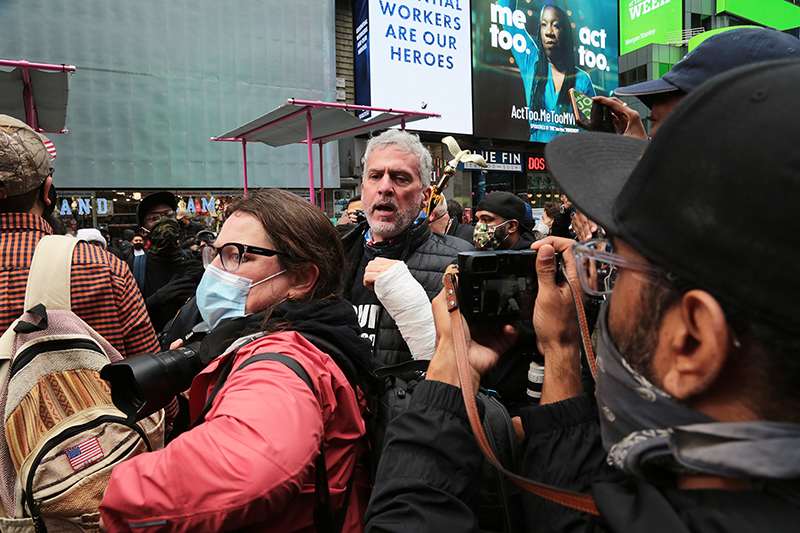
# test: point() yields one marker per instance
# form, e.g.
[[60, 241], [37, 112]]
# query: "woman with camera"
[[251, 458]]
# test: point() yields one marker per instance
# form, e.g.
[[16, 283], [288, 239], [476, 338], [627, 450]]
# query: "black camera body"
[[497, 286], [360, 216]]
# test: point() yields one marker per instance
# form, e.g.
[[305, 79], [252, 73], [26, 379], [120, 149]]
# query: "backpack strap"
[[139, 270], [325, 520], [50, 273]]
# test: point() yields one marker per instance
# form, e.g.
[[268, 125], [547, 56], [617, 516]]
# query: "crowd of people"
[[690, 422]]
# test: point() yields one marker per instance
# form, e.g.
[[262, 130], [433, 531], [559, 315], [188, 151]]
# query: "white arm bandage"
[[408, 304]]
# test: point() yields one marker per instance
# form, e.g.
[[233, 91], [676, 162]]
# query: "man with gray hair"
[[395, 243]]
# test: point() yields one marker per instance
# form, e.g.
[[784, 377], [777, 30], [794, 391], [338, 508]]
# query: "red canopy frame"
[[245, 134], [27, 93]]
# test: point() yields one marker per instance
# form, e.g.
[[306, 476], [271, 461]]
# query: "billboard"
[[642, 22], [415, 56], [526, 56]]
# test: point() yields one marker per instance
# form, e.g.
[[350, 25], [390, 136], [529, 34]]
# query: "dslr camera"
[[497, 286]]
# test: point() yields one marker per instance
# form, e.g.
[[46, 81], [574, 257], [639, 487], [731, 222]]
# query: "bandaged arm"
[[406, 301]]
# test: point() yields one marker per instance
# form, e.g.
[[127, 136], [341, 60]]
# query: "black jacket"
[[427, 257], [427, 479], [462, 231]]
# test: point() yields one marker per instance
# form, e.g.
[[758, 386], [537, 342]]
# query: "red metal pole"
[[310, 157], [244, 162], [294, 101], [321, 181], [27, 95]]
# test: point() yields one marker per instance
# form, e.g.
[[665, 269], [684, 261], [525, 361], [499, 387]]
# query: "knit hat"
[[24, 160], [92, 235]]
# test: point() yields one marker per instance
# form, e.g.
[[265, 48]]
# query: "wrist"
[[443, 366]]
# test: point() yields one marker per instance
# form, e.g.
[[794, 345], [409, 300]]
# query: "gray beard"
[[387, 230]]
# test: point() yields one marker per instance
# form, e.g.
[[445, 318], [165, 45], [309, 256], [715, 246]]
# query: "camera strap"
[[574, 500]]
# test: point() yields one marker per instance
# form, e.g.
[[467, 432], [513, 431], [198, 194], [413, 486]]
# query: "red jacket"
[[251, 461]]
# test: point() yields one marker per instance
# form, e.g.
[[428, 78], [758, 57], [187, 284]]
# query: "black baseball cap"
[[147, 203], [503, 204], [719, 53], [686, 199]]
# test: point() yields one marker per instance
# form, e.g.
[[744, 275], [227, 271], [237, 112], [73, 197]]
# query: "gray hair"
[[407, 142]]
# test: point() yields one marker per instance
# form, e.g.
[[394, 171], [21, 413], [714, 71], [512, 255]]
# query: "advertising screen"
[[527, 54], [642, 22], [415, 55]]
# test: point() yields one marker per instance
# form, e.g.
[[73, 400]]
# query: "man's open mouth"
[[384, 209]]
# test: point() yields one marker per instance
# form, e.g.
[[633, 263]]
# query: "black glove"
[[194, 270], [178, 290]]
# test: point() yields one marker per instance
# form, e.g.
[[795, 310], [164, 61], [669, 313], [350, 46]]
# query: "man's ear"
[[426, 196], [694, 345], [48, 184], [304, 280], [512, 225]]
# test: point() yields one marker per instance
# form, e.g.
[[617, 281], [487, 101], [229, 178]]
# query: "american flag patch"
[[50, 148], [85, 453]]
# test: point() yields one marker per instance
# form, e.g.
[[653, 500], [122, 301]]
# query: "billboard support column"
[[310, 157], [244, 163], [321, 181]]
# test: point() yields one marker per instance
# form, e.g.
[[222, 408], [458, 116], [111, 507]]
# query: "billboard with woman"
[[527, 54]]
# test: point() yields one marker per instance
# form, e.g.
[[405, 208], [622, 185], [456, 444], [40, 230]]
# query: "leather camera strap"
[[574, 500]]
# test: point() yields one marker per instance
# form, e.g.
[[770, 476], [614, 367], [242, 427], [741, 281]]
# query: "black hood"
[[334, 321]]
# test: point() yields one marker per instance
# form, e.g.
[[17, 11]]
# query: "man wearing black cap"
[[717, 54], [166, 278], [500, 223], [500, 215], [696, 421]]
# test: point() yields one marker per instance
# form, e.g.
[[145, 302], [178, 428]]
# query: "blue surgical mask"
[[223, 295]]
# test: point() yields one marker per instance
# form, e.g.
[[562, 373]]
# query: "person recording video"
[[695, 425]]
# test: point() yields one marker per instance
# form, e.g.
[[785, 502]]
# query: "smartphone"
[[590, 114], [581, 108]]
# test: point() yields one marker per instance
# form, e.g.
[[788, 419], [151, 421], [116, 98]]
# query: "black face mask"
[[164, 241], [138, 245]]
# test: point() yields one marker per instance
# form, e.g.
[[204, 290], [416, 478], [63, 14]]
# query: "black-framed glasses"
[[155, 217], [598, 267], [231, 254]]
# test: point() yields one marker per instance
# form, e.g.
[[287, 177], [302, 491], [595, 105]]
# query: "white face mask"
[[542, 228], [223, 295]]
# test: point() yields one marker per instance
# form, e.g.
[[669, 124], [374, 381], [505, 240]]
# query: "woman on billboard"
[[548, 71]]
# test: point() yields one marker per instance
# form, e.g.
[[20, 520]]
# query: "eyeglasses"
[[155, 217], [231, 254], [598, 267]]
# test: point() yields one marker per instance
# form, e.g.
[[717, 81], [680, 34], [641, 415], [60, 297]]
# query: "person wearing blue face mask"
[[695, 424], [250, 459]]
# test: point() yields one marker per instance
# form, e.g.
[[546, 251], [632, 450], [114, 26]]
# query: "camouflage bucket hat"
[[24, 160]]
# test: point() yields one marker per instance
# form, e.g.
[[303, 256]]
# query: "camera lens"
[[143, 384]]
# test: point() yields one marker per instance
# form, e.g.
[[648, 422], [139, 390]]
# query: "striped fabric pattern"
[[54, 398], [104, 293]]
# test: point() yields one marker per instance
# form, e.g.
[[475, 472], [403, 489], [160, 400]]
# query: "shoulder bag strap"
[[139, 269], [574, 500], [50, 272]]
